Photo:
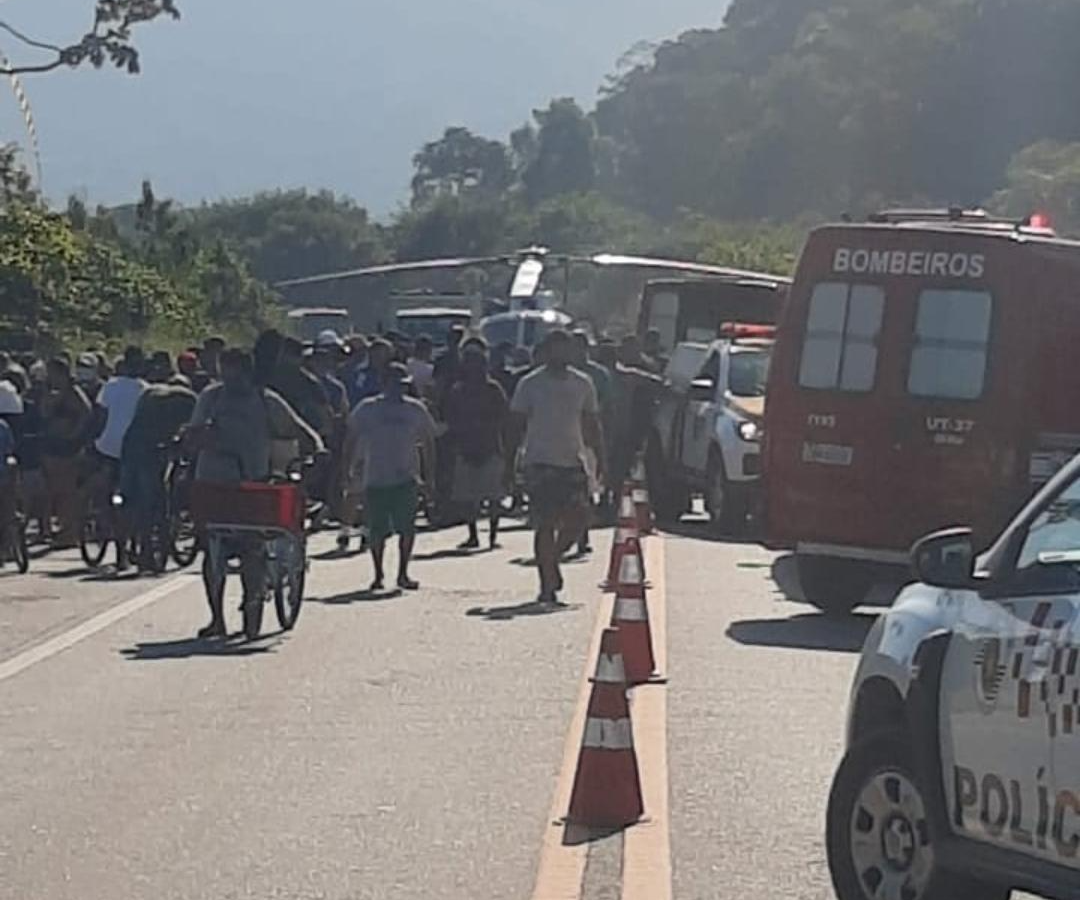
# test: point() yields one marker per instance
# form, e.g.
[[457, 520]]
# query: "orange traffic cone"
[[642, 509], [607, 787], [625, 528], [631, 617]]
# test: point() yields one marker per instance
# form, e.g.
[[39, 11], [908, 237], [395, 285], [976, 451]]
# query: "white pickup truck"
[[707, 432]]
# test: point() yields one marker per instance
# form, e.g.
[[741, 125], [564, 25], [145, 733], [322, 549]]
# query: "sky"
[[248, 95]]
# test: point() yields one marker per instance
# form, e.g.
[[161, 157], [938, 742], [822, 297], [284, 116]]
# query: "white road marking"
[[23, 661]]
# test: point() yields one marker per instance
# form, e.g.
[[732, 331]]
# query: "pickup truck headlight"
[[750, 431]]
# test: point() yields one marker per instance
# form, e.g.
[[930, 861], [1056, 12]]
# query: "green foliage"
[[1044, 177], [61, 286], [290, 234], [560, 158], [108, 40], [460, 164], [841, 105]]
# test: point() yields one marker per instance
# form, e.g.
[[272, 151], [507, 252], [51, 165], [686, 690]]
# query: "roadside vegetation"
[[719, 145]]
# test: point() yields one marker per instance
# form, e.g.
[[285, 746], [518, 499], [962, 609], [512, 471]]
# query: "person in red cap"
[[187, 363]]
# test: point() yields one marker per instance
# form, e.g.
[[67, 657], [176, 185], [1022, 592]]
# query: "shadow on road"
[[336, 554], [785, 573], [506, 613], [191, 647], [576, 835], [456, 553], [364, 596], [701, 530], [805, 632]]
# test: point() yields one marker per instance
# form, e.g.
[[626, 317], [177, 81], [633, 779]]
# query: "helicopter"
[[373, 301]]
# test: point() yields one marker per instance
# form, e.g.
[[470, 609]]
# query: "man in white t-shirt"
[[115, 410], [557, 412]]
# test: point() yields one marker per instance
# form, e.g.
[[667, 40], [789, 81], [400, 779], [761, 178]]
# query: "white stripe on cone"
[[610, 669], [630, 570], [608, 734], [630, 609]]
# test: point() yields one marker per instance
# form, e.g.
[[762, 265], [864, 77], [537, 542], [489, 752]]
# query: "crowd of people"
[[396, 427]]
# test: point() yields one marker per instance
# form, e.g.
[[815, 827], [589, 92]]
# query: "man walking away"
[[115, 409], [421, 369], [601, 380], [559, 415], [385, 431], [476, 413]]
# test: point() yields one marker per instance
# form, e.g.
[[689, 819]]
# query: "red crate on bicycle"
[[248, 505]]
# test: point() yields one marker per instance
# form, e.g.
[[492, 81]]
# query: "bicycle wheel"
[[253, 616], [183, 539], [157, 549], [289, 584], [20, 554], [93, 540]]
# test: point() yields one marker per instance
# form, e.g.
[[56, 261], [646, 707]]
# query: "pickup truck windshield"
[[749, 373]]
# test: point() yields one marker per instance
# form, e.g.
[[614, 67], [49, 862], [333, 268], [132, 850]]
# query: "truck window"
[[842, 327], [664, 317], [952, 331]]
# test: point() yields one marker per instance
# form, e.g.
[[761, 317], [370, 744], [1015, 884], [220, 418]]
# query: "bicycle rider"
[[233, 428], [162, 412]]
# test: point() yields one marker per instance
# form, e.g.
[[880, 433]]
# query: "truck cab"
[[708, 427]]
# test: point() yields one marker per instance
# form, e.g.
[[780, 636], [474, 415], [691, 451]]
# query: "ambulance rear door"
[[827, 415], [954, 425]]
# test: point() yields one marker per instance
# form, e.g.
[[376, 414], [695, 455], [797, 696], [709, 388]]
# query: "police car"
[[707, 430], [962, 773]]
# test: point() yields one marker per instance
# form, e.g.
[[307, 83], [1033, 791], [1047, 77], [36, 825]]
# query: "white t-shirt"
[[423, 374], [553, 403], [118, 398]]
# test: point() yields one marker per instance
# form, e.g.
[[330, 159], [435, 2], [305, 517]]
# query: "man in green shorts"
[[388, 433]]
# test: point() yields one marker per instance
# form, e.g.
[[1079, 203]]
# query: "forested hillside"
[[719, 144]]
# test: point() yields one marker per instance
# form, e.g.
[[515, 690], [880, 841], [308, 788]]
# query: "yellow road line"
[[647, 846], [561, 873], [22, 661]]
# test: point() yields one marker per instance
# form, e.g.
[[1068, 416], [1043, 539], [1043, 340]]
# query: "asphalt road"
[[403, 746]]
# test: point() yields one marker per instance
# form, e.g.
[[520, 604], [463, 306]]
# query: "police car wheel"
[[878, 832]]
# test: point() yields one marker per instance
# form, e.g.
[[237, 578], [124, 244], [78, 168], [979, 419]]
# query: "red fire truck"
[[926, 373]]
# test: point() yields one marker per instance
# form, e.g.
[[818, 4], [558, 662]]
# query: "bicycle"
[[98, 528], [183, 535], [231, 516]]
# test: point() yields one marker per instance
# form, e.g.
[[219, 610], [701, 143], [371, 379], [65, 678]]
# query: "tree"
[[460, 163], [291, 234], [563, 157], [109, 39]]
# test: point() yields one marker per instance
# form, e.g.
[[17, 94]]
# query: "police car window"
[[711, 369], [749, 373], [1054, 536], [840, 347], [952, 331]]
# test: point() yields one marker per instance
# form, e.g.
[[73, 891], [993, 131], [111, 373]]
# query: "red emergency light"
[[1040, 220], [740, 331]]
